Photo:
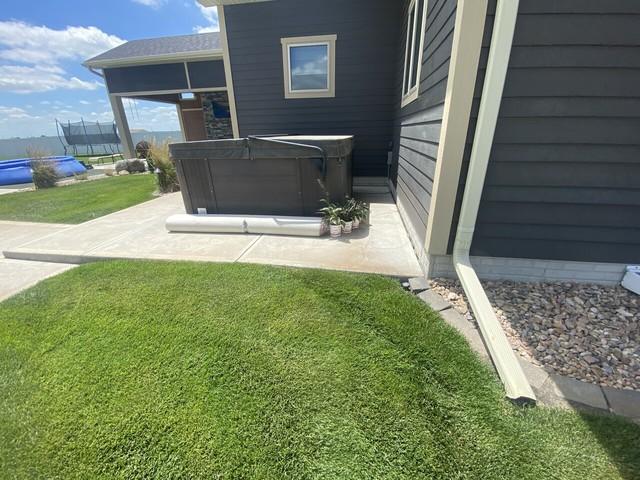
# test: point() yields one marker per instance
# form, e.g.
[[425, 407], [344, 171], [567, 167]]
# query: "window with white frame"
[[309, 66], [416, 16]]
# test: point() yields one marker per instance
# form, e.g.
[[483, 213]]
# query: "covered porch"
[[186, 71]]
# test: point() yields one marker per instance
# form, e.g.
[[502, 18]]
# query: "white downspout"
[[515, 382]]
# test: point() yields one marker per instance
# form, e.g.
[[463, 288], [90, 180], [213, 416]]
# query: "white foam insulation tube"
[[258, 224]]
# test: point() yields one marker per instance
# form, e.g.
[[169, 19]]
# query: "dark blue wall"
[[366, 51], [165, 76], [418, 124], [146, 78], [564, 176], [206, 74]]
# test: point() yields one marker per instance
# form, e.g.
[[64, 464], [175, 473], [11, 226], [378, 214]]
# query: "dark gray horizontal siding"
[[564, 175], [146, 78], [207, 74], [418, 124], [366, 51]]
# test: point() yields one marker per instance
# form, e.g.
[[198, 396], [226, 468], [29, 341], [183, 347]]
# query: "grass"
[[79, 202], [182, 370]]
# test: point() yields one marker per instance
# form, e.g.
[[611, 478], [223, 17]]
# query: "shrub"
[[133, 165], [136, 165], [142, 149], [44, 173], [165, 169], [121, 165]]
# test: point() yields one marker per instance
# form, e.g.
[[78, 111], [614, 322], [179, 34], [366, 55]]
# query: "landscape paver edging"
[[551, 389]]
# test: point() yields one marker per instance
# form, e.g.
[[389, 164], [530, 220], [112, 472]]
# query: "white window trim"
[[412, 94], [330, 42]]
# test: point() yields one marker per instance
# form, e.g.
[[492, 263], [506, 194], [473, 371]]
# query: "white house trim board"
[[463, 68], [226, 58], [156, 59], [120, 117], [186, 72], [163, 92], [413, 92], [179, 112]]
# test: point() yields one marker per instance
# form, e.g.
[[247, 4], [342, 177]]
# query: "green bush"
[[165, 169], [44, 173]]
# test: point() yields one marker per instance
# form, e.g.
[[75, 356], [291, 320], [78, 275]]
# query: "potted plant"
[[348, 214], [358, 210], [361, 210], [332, 214]]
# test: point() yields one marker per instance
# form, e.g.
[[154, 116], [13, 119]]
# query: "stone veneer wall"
[[216, 128]]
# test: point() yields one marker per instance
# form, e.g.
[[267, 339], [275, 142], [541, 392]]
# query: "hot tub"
[[15, 172], [263, 176]]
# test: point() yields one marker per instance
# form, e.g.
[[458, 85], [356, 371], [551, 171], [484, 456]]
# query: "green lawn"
[[183, 370], [79, 202]]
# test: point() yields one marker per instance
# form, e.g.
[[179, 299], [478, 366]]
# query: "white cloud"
[[151, 3], [314, 67], [84, 102], [16, 121], [210, 28], [32, 55], [25, 43], [150, 116], [210, 14], [14, 113], [23, 79]]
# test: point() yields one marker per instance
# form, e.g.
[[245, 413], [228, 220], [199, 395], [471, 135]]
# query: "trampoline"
[[88, 135]]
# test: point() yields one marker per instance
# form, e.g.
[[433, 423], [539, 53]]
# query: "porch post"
[[120, 118]]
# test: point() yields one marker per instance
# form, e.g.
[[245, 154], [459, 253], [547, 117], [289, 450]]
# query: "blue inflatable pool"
[[13, 172]]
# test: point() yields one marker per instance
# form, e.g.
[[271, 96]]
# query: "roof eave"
[[153, 59]]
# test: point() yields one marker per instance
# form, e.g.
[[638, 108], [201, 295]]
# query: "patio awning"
[[160, 69], [201, 46]]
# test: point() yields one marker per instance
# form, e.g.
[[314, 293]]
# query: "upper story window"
[[309, 66], [416, 20]]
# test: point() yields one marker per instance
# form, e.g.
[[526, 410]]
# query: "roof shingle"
[[164, 46]]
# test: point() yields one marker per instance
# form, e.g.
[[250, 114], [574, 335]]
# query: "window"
[[309, 66], [413, 50]]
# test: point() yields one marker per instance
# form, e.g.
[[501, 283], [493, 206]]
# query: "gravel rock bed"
[[588, 332]]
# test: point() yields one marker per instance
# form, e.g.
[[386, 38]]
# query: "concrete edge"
[[76, 258], [35, 282], [551, 389]]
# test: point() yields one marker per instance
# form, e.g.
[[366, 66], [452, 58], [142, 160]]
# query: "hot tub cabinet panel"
[[263, 176]]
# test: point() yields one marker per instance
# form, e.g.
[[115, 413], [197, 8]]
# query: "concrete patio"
[[139, 233], [16, 275]]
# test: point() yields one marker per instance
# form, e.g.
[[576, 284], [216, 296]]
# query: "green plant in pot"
[[332, 214], [361, 211], [348, 214]]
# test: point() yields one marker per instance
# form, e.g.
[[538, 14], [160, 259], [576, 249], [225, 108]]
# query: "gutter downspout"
[[95, 72], [515, 382]]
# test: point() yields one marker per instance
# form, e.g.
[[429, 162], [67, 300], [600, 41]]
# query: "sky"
[[43, 44]]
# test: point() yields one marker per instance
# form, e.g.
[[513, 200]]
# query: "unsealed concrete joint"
[[248, 248], [435, 301], [595, 397]]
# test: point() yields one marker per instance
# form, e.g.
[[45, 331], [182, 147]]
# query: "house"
[[542, 96]]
